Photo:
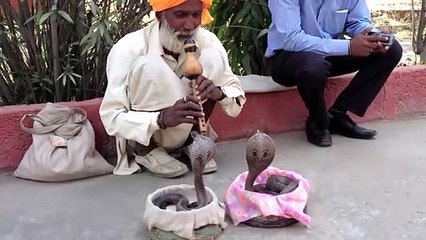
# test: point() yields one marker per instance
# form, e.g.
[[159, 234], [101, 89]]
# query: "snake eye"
[[254, 153], [265, 153]]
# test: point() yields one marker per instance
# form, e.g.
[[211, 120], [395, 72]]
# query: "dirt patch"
[[397, 16], [399, 22], [392, 4]]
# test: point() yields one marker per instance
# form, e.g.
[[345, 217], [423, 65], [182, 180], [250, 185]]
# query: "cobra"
[[200, 152], [260, 152]]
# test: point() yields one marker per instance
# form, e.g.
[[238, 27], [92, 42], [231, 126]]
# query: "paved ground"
[[361, 190]]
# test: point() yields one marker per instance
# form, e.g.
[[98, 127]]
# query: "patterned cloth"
[[242, 205]]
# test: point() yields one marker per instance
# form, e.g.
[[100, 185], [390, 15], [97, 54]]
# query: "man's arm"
[[114, 111], [286, 18], [220, 73], [233, 91], [231, 88], [359, 19]]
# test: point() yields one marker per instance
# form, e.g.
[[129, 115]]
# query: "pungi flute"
[[192, 69]]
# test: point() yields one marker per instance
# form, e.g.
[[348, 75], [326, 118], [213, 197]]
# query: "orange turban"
[[160, 5]]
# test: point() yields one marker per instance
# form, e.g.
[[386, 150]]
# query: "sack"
[[63, 146]]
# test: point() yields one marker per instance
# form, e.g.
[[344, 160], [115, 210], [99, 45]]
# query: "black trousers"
[[309, 72]]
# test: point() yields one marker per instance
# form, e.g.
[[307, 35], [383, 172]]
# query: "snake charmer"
[[148, 104]]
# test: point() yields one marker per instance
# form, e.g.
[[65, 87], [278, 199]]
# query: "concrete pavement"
[[361, 189]]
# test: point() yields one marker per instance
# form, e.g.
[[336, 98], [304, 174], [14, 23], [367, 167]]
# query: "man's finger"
[[192, 98], [370, 45], [377, 39], [202, 96], [210, 90], [188, 120], [194, 106], [199, 80], [202, 87], [192, 114], [366, 31]]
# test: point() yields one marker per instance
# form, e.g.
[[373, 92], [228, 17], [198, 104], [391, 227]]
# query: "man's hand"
[[185, 110], [363, 45], [380, 46], [205, 89]]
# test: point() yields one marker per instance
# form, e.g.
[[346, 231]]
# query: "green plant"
[[243, 33], [56, 50]]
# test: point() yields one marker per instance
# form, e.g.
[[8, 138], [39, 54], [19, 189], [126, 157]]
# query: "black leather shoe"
[[317, 136], [342, 124]]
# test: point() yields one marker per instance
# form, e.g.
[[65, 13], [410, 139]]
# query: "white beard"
[[169, 38]]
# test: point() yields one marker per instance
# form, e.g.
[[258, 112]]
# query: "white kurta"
[[142, 80]]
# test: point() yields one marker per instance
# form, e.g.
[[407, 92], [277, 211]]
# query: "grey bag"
[[63, 146]]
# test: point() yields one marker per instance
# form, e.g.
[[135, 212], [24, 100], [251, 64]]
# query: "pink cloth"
[[242, 205]]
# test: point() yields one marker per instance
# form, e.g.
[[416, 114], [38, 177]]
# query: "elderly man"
[[148, 104]]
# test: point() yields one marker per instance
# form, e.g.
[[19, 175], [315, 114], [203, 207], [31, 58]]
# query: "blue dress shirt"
[[316, 25]]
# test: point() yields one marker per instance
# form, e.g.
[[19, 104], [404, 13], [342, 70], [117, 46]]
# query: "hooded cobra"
[[260, 153], [200, 152]]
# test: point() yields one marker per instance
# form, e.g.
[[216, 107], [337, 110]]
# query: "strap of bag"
[[38, 130], [46, 127], [82, 112]]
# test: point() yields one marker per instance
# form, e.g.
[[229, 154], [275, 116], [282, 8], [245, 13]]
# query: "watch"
[[223, 94]]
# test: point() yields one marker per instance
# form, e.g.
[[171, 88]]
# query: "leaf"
[[2, 56], [107, 24], [256, 15], [44, 17], [262, 33], [65, 16], [86, 38], [94, 9], [87, 48], [48, 90], [108, 39], [243, 12], [101, 29], [76, 75], [30, 19], [64, 80], [246, 64], [71, 77], [60, 76], [47, 80]]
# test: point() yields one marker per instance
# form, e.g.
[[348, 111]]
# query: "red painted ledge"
[[404, 95]]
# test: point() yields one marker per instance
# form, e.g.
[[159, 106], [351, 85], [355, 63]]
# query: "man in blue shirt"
[[306, 45]]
